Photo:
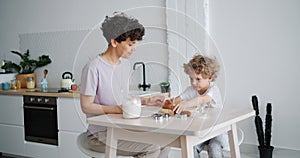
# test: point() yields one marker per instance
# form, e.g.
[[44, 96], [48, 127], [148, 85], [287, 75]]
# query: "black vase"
[[265, 151]]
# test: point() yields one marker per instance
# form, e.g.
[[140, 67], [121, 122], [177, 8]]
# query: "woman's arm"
[[89, 107], [157, 100]]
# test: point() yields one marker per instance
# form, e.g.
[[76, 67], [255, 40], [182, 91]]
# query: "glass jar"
[[30, 83], [131, 106], [13, 84], [18, 84]]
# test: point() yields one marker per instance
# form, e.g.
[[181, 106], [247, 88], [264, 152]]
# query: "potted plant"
[[264, 138], [27, 66], [165, 87]]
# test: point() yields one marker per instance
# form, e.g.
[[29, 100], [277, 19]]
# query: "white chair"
[[84, 148], [226, 150]]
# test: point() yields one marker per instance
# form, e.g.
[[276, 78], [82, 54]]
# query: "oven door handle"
[[38, 108]]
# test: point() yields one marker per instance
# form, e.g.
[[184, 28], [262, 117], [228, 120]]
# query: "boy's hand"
[[168, 104], [180, 107], [184, 104]]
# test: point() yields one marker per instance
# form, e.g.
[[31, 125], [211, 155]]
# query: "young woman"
[[105, 83]]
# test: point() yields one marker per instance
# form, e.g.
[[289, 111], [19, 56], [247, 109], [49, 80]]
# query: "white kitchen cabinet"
[[71, 122], [11, 112], [70, 116], [40, 150], [11, 124], [12, 139]]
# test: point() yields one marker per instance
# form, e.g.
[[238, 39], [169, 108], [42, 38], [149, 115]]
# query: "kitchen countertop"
[[73, 94], [70, 94]]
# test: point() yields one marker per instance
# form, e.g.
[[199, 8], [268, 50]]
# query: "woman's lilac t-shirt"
[[109, 84]]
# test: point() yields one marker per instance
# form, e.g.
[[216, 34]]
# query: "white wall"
[[32, 16], [259, 43], [34, 21]]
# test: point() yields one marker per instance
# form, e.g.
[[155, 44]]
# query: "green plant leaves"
[[27, 65]]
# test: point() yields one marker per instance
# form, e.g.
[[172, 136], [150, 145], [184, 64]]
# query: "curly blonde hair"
[[207, 67]]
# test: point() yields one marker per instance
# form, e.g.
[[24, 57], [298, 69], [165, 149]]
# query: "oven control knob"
[[39, 100], [46, 100], [32, 99]]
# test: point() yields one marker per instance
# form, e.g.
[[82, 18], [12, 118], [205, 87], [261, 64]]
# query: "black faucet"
[[144, 85]]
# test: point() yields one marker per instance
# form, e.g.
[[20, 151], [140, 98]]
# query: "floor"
[[251, 151], [247, 151]]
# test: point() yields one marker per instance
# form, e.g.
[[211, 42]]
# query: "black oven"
[[40, 119]]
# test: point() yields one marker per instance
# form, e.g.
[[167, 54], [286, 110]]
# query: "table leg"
[[186, 147], [233, 142], [111, 144]]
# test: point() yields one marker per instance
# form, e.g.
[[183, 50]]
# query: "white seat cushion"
[[84, 147]]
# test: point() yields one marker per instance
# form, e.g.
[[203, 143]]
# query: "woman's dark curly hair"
[[120, 27], [207, 67]]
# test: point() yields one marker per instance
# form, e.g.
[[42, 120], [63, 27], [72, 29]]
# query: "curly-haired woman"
[[105, 83]]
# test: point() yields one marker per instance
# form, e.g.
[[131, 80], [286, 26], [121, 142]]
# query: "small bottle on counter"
[[44, 84], [30, 83]]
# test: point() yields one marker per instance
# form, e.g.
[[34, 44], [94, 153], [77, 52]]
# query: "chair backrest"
[[240, 138]]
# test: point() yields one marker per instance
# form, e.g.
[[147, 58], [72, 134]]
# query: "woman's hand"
[[157, 100]]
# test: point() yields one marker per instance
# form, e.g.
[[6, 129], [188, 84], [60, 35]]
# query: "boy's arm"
[[200, 100], [176, 100], [204, 99]]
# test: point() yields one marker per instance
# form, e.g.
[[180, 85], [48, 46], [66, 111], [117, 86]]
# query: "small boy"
[[203, 92]]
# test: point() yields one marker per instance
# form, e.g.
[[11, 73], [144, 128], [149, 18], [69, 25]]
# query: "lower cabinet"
[[39, 150], [70, 116], [71, 122], [12, 139], [12, 142], [11, 110], [11, 124]]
